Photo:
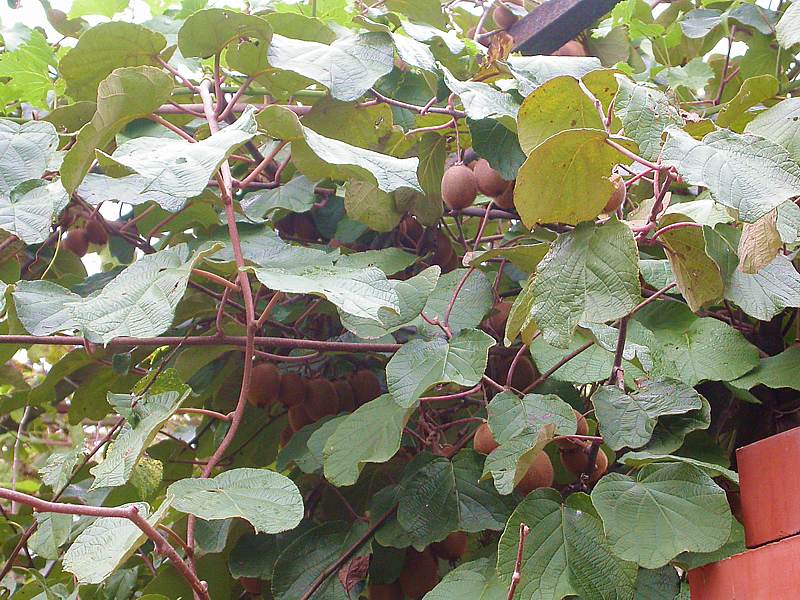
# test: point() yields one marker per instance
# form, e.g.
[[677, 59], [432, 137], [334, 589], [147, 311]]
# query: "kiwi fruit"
[[347, 399], [420, 573], [497, 319], [488, 181], [293, 390], [459, 188], [286, 435], [484, 441], [77, 242], [265, 384], [503, 17], [304, 227], [321, 398], [366, 386], [506, 199], [583, 429], [298, 417], [617, 196], [539, 475], [576, 459], [571, 48], [452, 547], [524, 374], [251, 585], [96, 233], [384, 591]]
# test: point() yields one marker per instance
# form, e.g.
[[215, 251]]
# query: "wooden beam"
[[552, 24]]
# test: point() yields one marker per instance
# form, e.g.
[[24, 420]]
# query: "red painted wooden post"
[[769, 473]]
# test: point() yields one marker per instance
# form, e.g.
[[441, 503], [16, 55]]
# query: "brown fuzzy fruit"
[[298, 417], [525, 373], [384, 591], [77, 242], [617, 196], [304, 227], [497, 320], [538, 475], [571, 48], [503, 17], [265, 384], [293, 390], [583, 429], [366, 386], [321, 398], [444, 255], [488, 180], [576, 459], [96, 233], [347, 399], [506, 199], [459, 188], [420, 573], [452, 547], [251, 585], [484, 441], [286, 435]]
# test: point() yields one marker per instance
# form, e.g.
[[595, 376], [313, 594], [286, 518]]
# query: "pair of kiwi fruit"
[[78, 238], [539, 474], [574, 454], [462, 182]]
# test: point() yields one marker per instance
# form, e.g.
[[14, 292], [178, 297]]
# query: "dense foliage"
[[292, 371]]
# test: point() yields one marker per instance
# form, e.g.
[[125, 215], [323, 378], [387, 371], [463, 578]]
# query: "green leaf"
[[753, 92], [104, 48], [645, 113], [52, 532], [268, 500], [671, 431], [566, 106], [144, 417], [590, 274], [643, 458], [167, 171], [779, 371], [31, 208], [44, 307], [106, 8], [534, 71], [348, 67], [57, 471], [126, 94], [369, 435], [693, 349], [412, 294], [28, 70], [25, 151], [471, 305], [695, 560], [479, 506], [498, 144], [475, 579], [657, 584], [567, 554], [418, 365], [760, 243], [428, 501], [765, 175], [780, 124], [628, 419], [359, 292], [566, 178], [698, 23], [208, 31], [297, 195], [481, 100], [107, 543], [523, 256], [788, 28], [678, 506], [376, 209]]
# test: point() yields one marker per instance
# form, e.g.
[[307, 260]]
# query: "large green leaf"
[[44, 307], [755, 90], [107, 543], [693, 349], [126, 94], [144, 417], [645, 112], [566, 178], [369, 435], [566, 553], [628, 419], [566, 106], [745, 172], [52, 532], [296, 195], [590, 275], [373, 207], [104, 48], [643, 457], [665, 510], [25, 150], [348, 67], [779, 371], [208, 31], [31, 208], [476, 580], [167, 171], [418, 364], [780, 124], [472, 303], [270, 501]]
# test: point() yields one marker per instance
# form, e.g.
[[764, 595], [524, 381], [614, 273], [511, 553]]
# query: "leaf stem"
[[524, 530]]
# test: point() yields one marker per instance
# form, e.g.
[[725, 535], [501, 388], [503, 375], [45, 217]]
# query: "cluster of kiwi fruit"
[[309, 399], [412, 233], [79, 237], [462, 182], [420, 573]]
